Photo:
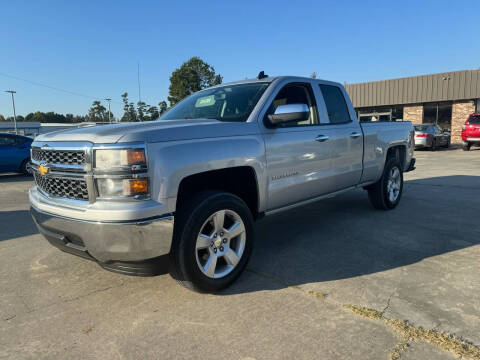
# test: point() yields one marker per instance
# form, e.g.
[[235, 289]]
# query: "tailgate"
[[473, 131]]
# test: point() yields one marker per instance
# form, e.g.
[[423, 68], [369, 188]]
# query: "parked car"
[[14, 152], [471, 131], [431, 136], [190, 185]]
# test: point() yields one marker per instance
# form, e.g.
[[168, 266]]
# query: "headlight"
[[115, 158], [114, 188], [121, 173]]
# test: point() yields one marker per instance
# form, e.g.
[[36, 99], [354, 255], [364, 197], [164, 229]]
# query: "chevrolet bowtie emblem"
[[42, 169]]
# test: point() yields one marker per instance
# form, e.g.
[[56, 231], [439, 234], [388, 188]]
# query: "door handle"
[[322, 138], [355, 134]]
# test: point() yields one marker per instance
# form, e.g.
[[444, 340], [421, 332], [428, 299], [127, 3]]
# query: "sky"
[[91, 48]]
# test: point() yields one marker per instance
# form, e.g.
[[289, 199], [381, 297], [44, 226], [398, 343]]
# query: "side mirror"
[[289, 113]]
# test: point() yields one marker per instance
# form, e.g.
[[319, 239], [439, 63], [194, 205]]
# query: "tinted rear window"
[[474, 119], [422, 127], [336, 105]]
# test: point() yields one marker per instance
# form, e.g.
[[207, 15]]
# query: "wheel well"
[[240, 181], [397, 152]]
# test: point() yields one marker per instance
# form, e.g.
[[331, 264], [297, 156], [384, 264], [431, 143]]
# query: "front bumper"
[[109, 243]]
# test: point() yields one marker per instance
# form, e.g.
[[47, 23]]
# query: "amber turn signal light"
[[136, 156], [136, 187]]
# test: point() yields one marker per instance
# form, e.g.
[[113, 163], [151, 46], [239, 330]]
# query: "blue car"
[[14, 153]]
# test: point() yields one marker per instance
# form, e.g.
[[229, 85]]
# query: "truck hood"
[[152, 131]]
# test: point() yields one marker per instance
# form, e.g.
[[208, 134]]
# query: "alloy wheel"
[[220, 243], [394, 184]]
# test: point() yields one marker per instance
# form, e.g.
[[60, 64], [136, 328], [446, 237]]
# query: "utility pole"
[[108, 99], [138, 79], [14, 114]]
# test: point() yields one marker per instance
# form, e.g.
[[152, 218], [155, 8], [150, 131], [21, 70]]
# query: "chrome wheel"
[[394, 184], [220, 243]]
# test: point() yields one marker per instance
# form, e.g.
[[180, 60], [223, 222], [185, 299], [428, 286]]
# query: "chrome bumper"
[[129, 241]]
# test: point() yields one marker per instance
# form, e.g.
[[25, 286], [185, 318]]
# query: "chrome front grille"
[[71, 188], [63, 169], [66, 157]]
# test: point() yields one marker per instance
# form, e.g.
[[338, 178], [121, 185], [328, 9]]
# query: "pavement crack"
[[68, 300], [461, 348], [388, 304], [10, 318]]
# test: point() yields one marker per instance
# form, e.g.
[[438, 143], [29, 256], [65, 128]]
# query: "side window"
[[20, 140], [6, 141], [296, 93], [336, 105]]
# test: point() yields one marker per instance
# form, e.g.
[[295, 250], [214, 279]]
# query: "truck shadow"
[[15, 177], [16, 224], [344, 237]]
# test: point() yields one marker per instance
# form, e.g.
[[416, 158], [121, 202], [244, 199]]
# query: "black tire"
[[23, 167], [189, 221], [448, 144], [378, 192], [434, 145], [466, 147]]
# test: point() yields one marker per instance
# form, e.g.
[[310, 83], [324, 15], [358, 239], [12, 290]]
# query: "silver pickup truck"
[[187, 188]]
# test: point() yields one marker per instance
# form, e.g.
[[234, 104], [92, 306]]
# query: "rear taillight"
[[421, 135]]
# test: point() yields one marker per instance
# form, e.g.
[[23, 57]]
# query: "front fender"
[[170, 162]]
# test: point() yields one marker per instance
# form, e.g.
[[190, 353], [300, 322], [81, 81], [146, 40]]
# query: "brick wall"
[[460, 112], [413, 113]]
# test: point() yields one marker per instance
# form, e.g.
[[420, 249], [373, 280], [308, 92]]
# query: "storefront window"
[[380, 114], [439, 114]]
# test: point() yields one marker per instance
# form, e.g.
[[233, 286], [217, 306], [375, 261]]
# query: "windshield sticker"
[[205, 101]]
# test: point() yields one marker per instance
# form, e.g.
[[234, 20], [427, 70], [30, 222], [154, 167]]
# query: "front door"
[[298, 159]]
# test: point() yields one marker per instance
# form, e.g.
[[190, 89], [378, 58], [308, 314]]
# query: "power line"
[[55, 88]]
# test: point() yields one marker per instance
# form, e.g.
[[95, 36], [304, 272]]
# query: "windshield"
[[226, 103], [474, 119], [422, 127]]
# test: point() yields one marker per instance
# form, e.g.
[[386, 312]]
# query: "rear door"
[[298, 156], [346, 138]]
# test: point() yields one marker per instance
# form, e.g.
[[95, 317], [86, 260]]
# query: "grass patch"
[[316, 294], [397, 351], [461, 348]]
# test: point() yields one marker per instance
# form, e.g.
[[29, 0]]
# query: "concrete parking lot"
[[311, 267]]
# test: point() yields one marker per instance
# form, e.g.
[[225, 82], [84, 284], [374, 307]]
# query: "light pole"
[[108, 99], [14, 113]]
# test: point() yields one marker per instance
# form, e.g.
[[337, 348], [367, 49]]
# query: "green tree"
[[97, 112], [132, 113], [152, 112], [141, 109], [192, 76], [126, 112], [313, 75], [2, 118], [162, 105]]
